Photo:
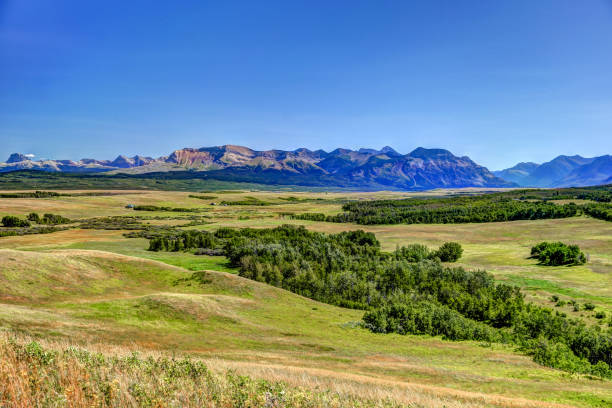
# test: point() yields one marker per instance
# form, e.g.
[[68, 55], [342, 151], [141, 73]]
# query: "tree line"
[[444, 211], [163, 208], [599, 210]]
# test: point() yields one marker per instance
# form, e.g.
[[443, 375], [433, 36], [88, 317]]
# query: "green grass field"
[[98, 289]]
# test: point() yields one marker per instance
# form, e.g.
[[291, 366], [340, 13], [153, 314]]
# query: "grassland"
[[105, 292]]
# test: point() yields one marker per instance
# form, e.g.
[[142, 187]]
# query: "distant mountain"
[[597, 171], [17, 157], [365, 168], [562, 171], [517, 174], [17, 161]]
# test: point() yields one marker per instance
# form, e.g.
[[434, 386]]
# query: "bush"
[[558, 253], [34, 217], [414, 253], [449, 252], [54, 219], [12, 221]]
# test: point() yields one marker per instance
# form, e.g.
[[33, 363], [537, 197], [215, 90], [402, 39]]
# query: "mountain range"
[[365, 168], [370, 169], [562, 171]]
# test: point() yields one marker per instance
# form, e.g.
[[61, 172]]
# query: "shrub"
[[54, 219], [12, 221], [449, 252], [34, 217], [558, 253], [414, 253]]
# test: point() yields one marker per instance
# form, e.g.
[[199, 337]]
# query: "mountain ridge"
[[562, 171], [420, 169]]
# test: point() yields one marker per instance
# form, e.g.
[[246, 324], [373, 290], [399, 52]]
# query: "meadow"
[[99, 290]]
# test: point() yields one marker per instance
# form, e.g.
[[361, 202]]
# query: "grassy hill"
[[96, 289], [115, 303]]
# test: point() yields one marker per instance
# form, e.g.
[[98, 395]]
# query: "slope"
[[108, 300]]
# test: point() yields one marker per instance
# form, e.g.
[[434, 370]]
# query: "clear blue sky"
[[500, 81]]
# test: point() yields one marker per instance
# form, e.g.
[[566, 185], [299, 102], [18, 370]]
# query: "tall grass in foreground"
[[33, 376]]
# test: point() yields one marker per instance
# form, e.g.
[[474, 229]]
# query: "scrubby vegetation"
[[48, 219], [158, 208], [113, 223], [11, 221], [15, 226], [11, 232], [407, 291], [35, 376], [558, 253], [247, 201], [203, 197], [137, 223]]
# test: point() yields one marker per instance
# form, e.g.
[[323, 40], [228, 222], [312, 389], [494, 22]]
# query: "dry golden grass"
[[77, 377]]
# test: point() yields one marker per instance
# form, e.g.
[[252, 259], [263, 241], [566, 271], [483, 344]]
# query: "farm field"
[[98, 289]]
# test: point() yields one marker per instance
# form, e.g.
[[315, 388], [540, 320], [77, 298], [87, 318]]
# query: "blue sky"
[[500, 81]]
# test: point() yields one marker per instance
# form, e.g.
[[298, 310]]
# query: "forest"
[[533, 204], [486, 208], [407, 291]]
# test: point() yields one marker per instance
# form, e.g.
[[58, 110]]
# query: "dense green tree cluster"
[[593, 193], [422, 317], [12, 221], [598, 196], [558, 253], [486, 208], [601, 211], [183, 240], [48, 219], [552, 339], [407, 291]]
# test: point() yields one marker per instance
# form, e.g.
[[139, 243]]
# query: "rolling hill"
[[117, 304]]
